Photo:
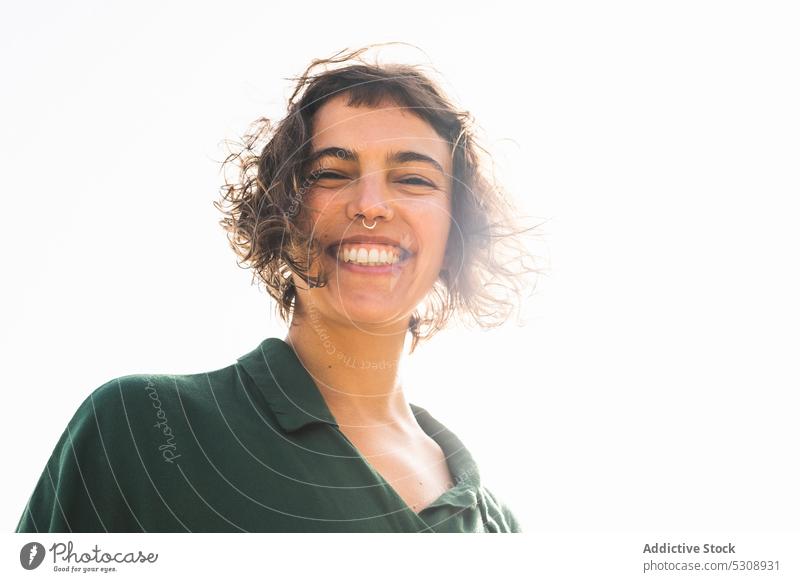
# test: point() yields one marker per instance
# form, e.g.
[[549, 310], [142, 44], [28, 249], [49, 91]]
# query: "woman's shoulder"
[[141, 389], [124, 404], [122, 447]]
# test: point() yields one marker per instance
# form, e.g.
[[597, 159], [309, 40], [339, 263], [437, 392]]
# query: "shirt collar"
[[462, 466], [286, 385], [296, 402]]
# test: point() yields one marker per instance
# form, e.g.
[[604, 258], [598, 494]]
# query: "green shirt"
[[250, 447]]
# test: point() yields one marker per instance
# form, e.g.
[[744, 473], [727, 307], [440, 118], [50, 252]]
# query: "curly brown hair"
[[486, 262]]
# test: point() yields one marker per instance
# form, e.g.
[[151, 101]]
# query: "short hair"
[[484, 273]]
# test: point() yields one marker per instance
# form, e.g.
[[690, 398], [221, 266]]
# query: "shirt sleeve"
[[76, 486], [501, 514]]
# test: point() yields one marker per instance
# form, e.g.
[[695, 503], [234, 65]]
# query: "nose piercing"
[[374, 224]]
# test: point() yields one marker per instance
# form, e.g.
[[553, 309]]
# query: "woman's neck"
[[356, 372]]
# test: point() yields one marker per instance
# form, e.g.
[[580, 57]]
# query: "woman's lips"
[[369, 258]]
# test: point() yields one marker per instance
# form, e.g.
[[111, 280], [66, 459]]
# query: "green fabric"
[[249, 447]]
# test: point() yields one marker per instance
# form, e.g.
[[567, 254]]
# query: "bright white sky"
[[655, 385]]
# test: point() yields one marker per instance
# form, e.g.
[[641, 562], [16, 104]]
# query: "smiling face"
[[391, 168]]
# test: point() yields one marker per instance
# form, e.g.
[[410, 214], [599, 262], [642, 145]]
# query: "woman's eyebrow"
[[395, 157]]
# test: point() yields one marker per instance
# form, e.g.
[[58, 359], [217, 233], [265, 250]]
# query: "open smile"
[[371, 258]]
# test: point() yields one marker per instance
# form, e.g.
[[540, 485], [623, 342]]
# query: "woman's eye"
[[416, 182], [326, 175], [329, 175]]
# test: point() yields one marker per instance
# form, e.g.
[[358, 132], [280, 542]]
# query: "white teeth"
[[371, 256]]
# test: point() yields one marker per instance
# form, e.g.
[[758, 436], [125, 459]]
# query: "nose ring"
[[363, 221]]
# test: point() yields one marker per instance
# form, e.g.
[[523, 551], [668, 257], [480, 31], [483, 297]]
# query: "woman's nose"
[[373, 197]]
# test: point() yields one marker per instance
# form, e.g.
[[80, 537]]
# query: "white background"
[[655, 385]]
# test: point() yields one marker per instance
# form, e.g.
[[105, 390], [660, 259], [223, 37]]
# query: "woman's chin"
[[370, 311]]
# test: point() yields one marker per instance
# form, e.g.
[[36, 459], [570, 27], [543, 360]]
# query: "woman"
[[366, 214]]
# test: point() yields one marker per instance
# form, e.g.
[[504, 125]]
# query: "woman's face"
[[390, 167]]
